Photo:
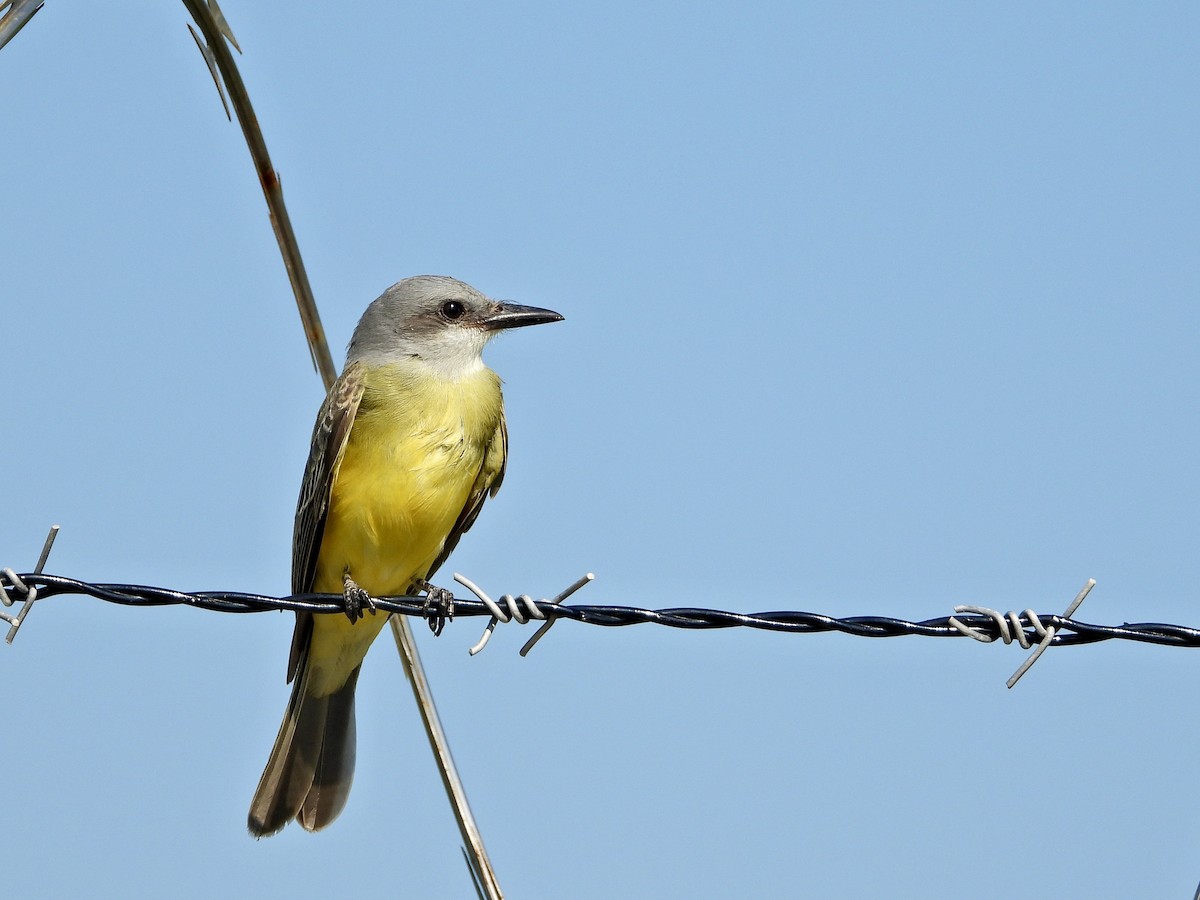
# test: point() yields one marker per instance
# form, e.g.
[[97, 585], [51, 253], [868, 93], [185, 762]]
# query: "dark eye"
[[452, 309]]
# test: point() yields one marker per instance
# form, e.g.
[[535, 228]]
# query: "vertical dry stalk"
[[216, 52]]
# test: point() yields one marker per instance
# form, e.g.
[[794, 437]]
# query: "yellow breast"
[[415, 451]]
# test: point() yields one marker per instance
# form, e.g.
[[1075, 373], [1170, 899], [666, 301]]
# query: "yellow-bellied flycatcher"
[[409, 443]]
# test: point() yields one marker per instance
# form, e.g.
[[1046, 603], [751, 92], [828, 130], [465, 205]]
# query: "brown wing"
[[487, 483], [330, 433]]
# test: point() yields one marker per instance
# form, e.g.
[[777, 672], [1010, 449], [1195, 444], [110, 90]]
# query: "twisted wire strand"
[[1069, 631]]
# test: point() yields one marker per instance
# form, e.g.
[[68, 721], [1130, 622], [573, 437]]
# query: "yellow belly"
[[415, 451]]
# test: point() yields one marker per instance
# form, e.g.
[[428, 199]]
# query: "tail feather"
[[334, 769], [308, 774]]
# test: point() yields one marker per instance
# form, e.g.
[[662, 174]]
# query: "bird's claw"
[[439, 606], [355, 598]]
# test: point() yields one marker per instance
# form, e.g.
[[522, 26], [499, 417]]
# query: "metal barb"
[[537, 635], [975, 633], [1003, 622], [46, 548], [521, 608], [1018, 631], [29, 592], [489, 603], [15, 580], [1050, 632]]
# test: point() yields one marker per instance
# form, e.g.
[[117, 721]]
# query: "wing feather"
[[329, 437]]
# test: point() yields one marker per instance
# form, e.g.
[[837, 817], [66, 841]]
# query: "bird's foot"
[[439, 605], [355, 598]]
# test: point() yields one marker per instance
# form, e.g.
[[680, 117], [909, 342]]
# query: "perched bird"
[[407, 446]]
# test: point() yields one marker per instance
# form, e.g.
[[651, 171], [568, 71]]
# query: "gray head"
[[438, 320]]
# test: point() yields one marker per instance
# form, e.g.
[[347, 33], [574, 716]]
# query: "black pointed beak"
[[514, 315]]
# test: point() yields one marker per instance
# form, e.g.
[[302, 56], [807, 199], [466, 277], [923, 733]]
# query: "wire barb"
[[514, 611], [1050, 632], [28, 593], [1028, 619]]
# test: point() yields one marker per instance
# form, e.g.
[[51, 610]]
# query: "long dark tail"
[[308, 775]]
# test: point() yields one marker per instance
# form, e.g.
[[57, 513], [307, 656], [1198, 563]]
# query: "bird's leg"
[[439, 605], [355, 598]]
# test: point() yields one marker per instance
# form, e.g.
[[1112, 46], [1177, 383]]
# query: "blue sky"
[[871, 309]]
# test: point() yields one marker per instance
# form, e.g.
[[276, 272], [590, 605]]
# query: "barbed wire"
[[1029, 629], [1069, 632]]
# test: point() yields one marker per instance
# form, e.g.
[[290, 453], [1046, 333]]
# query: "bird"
[[409, 443]]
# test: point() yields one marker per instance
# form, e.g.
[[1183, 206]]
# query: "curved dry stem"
[[212, 25]]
